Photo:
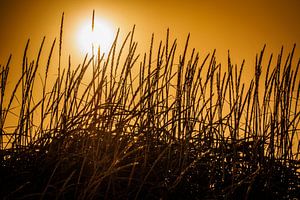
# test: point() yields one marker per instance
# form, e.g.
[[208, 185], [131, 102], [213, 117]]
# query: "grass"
[[163, 125]]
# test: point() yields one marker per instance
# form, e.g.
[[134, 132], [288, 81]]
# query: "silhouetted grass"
[[167, 125]]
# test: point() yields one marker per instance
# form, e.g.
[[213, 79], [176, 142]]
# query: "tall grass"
[[155, 125]]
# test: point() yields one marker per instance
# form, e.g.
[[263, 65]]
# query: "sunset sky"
[[243, 27]]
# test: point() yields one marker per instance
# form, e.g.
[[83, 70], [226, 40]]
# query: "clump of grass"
[[180, 127]]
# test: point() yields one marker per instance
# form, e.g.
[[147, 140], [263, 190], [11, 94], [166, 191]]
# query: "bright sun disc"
[[102, 36]]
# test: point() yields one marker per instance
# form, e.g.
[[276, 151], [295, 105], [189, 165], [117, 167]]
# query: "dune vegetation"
[[160, 125]]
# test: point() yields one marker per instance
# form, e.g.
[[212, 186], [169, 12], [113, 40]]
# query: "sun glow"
[[101, 36]]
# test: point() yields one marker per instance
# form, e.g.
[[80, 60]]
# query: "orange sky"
[[241, 26]]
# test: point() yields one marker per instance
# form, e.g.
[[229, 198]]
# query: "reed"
[[179, 128]]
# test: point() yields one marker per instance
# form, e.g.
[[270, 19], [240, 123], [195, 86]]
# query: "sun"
[[101, 36]]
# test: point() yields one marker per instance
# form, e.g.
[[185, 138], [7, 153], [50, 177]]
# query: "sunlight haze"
[[242, 27]]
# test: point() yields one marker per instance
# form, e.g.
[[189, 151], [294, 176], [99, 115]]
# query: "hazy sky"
[[241, 26]]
